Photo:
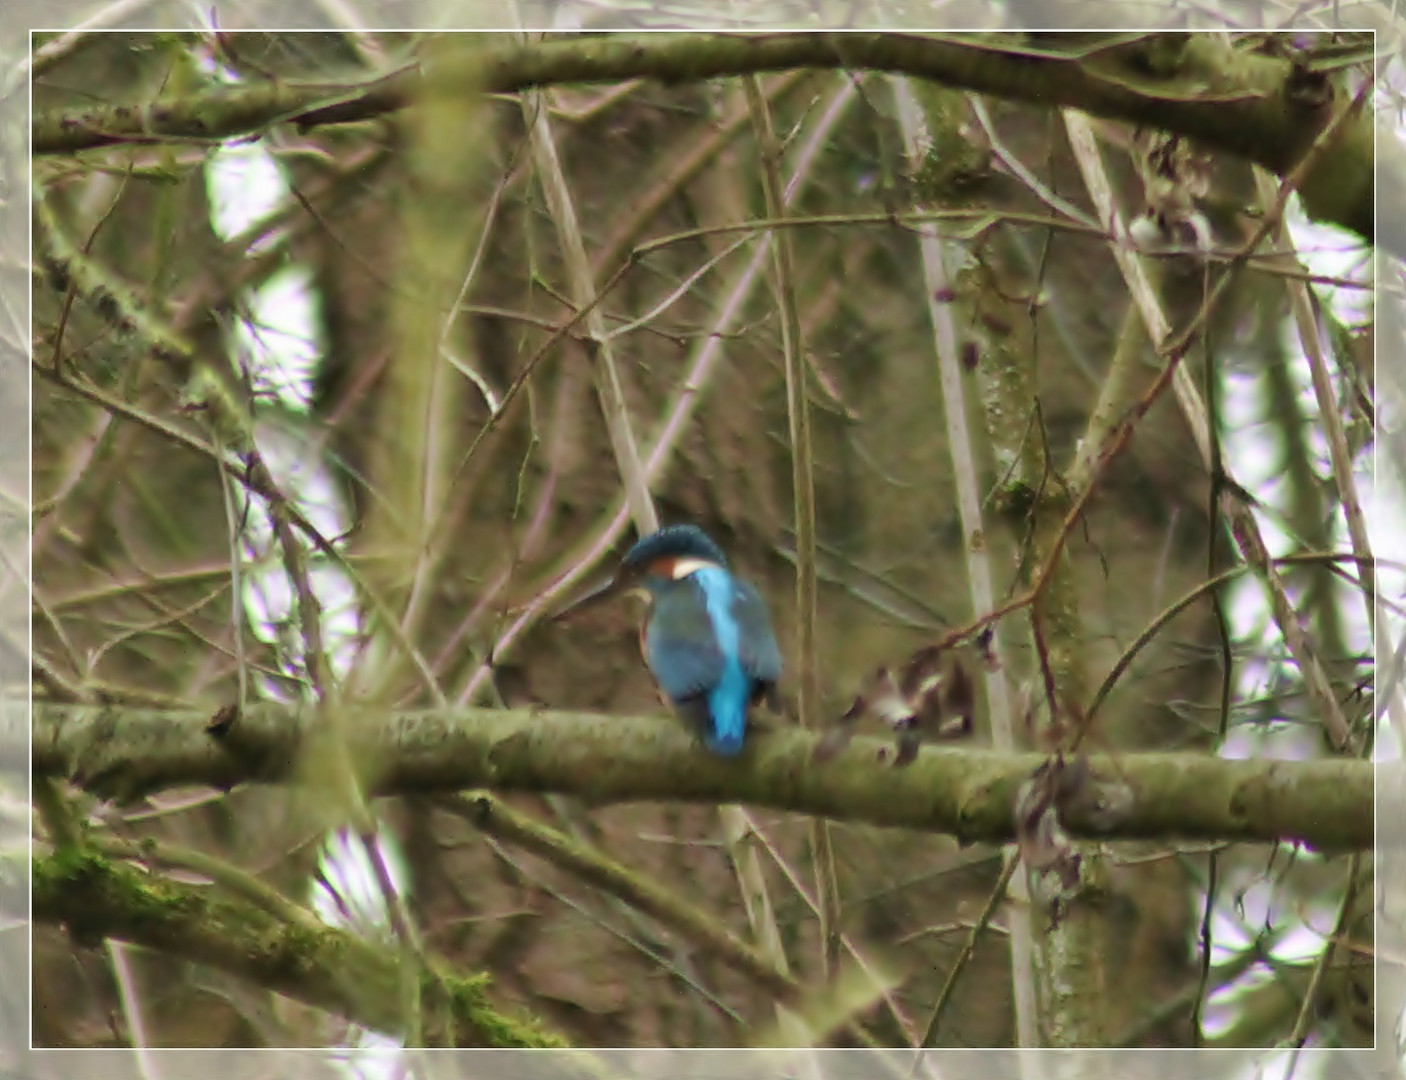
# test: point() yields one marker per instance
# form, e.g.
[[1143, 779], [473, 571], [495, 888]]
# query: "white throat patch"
[[684, 567]]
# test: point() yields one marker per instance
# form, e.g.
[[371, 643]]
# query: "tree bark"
[[123, 753]]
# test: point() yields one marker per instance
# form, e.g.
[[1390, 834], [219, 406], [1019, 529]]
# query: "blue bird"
[[707, 639]]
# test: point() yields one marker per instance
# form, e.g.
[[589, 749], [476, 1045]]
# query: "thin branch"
[[803, 488], [864, 963], [702, 928], [562, 209], [64, 45], [1299, 1035], [131, 1004], [1312, 337], [944, 996]]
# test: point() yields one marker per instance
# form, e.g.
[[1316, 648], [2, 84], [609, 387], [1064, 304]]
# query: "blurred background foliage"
[[135, 602]]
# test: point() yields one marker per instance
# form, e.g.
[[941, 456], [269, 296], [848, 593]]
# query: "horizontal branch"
[[1261, 108], [123, 752], [97, 898]]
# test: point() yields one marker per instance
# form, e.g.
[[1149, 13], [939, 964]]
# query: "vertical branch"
[[803, 485], [1211, 378], [737, 823], [977, 550], [1311, 337], [581, 281], [411, 459], [236, 564], [415, 432], [797, 403]]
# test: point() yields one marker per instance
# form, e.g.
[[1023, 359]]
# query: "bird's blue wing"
[[757, 649], [680, 646]]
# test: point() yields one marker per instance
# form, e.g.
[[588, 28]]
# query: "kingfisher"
[[707, 637]]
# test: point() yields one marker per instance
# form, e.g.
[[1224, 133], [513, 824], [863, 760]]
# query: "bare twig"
[[130, 999], [944, 996], [1309, 323], [803, 486]]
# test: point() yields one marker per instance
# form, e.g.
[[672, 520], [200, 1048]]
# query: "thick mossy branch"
[[123, 752], [96, 898], [1258, 107]]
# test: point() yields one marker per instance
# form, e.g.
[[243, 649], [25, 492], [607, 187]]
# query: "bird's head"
[[669, 554]]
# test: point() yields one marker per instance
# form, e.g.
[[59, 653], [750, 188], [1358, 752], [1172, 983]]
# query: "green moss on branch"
[[1255, 106], [97, 898], [126, 752]]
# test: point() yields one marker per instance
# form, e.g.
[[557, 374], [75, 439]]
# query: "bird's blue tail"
[[727, 710], [730, 695]]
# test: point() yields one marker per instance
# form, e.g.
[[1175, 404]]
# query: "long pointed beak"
[[597, 594]]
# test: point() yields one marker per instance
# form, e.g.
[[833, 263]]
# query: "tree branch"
[[97, 898], [124, 753], [497, 818], [1264, 109]]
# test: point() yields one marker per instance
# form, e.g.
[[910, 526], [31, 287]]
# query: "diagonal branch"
[[97, 898], [497, 818]]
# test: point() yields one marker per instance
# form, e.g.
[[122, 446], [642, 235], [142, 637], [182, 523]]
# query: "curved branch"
[[1261, 108], [124, 752], [97, 898]]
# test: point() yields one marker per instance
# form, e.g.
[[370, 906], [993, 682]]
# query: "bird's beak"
[[601, 592]]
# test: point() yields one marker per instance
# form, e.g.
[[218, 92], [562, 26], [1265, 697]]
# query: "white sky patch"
[[293, 459], [1332, 252], [244, 185], [280, 336], [354, 902], [350, 898], [1223, 1005], [372, 1056]]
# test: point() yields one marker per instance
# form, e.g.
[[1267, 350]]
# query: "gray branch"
[[123, 753]]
